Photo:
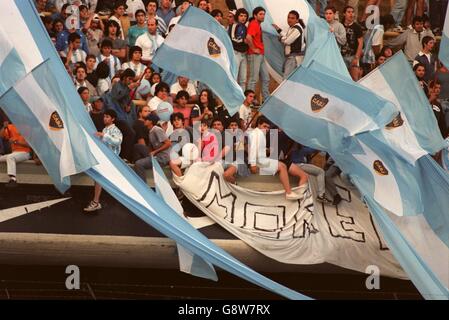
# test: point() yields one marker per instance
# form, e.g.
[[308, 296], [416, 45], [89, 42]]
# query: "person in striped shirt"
[[112, 137]]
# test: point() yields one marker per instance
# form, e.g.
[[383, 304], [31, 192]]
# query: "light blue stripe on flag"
[[314, 109], [444, 44], [38, 94], [188, 262], [200, 49], [11, 66], [419, 272], [385, 177], [413, 102], [162, 217], [36, 136]]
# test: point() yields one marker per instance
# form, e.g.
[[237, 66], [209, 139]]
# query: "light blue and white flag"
[[315, 109], [321, 45], [188, 262], [415, 132], [444, 44], [36, 105], [16, 60], [407, 202], [445, 157], [199, 48], [110, 171]]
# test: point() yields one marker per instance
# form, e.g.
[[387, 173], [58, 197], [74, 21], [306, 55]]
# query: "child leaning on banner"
[[112, 137]]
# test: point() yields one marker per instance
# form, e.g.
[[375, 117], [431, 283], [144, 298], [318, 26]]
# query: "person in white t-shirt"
[[245, 114], [161, 94], [183, 83], [149, 41]]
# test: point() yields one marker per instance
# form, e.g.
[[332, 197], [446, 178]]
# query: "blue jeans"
[[242, 68], [398, 11], [323, 4], [258, 69]]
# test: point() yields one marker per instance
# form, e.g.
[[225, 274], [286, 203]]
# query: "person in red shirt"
[[20, 150], [256, 51]]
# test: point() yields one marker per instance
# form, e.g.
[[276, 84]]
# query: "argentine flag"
[[444, 44], [34, 101], [188, 262], [316, 109], [14, 63], [408, 204], [199, 48], [52, 85], [414, 133]]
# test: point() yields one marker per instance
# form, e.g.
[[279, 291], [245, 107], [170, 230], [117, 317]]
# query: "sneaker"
[[294, 196], [11, 184], [337, 200], [93, 206], [323, 199]]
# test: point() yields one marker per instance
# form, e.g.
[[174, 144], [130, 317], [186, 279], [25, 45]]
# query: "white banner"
[[290, 231]]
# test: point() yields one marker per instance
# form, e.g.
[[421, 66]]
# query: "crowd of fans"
[[107, 48]]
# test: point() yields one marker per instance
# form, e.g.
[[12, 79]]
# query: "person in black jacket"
[[237, 32]]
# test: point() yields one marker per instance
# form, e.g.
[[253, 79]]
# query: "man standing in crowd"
[[352, 50], [294, 42], [238, 31], [256, 51], [334, 26], [411, 39], [149, 41]]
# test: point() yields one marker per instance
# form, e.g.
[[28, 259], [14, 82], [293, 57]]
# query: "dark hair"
[[119, 4], [241, 11], [91, 56], [178, 115], [417, 19], [262, 120], [160, 86], [215, 120], [379, 55], [257, 10], [387, 20], [153, 1], [332, 8], [106, 43], [155, 74], [247, 92], [82, 89], [211, 103], [385, 48], [80, 67], [83, 7], [182, 94], [426, 40], [102, 70], [74, 36], [434, 83], [111, 113], [295, 13], [140, 11], [216, 12], [64, 7], [57, 21], [132, 50], [111, 23], [346, 8], [416, 66], [127, 73]]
